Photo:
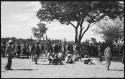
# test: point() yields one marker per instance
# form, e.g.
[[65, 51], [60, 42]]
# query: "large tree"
[[40, 31], [76, 13], [112, 30]]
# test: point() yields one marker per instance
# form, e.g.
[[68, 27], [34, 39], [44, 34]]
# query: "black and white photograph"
[[62, 39]]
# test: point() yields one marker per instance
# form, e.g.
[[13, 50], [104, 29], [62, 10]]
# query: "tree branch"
[[72, 24], [86, 29], [96, 15], [93, 24], [89, 26], [81, 29], [81, 22]]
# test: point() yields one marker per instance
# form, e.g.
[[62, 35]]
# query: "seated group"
[[69, 58]]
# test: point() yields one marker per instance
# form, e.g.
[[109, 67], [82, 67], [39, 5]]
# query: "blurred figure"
[[108, 56], [64, 51], [99, 53], [37, 52], [27, 50], [32, 51], [70, 49], [9, 50], [18, 49], [60, 53], [69, 53], [69, 59], [3, 47], [14, 50], [42, 48], [24, 50], [87, 60], [56, 49], [30, 46]]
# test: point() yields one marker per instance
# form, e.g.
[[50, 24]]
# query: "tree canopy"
[[40, 31], [76, 13], [112, 30]]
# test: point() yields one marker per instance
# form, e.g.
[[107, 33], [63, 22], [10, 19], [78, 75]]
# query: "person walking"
[[108, 56], [9, 50], [37, 52]]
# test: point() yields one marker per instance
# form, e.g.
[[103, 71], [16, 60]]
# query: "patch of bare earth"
[[25, 68]]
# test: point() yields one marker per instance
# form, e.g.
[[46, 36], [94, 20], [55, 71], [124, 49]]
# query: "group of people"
[[55, 53]]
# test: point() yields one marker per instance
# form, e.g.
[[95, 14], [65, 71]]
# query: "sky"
[[19, 17]]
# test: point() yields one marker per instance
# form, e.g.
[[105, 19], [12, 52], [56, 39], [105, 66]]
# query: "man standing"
[[3, 47], [9, 50], [108, 56], [37, 52], [32, 51], [18, 49], [27, 50], [24, 51], [99, 53]]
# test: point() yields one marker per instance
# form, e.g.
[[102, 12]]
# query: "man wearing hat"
[[9, 50]]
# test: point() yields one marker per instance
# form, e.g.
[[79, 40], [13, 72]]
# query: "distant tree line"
[[21, 40]]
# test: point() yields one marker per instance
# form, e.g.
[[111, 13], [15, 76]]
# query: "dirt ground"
[[25, 68]]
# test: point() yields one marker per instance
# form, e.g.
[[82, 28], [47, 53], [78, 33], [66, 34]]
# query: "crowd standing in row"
[[56, 53]]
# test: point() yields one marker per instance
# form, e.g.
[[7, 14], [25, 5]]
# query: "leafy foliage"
[[111, 29], [68, 12], [40, 31]]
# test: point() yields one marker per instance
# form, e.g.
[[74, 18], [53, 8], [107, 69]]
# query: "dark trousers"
[[108, 62], [9, 63], [3, 53], [36, 58]]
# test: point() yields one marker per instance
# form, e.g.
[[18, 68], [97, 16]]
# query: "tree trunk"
[[76, 35]]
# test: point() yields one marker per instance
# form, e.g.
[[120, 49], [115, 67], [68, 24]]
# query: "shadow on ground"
[[48, 64], [24, 69], [114, 58], [116, 70], [19, 70]]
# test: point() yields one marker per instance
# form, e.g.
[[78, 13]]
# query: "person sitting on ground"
[[50, 58], [69, 59], [54, 59], [87, 60]]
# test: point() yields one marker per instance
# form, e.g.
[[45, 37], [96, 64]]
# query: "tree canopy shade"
[[40, 31], [112, 30], [76, 13]]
